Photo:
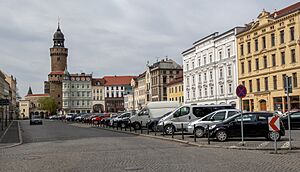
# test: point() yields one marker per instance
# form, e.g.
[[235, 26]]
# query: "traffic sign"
[[4, 102], [241, 91], [274, 124]]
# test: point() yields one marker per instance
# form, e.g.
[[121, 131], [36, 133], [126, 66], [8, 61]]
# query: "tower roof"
[[58, 35], [29, 91]]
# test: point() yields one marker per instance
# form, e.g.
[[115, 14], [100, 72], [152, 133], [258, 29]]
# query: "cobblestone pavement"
[[93, 149]]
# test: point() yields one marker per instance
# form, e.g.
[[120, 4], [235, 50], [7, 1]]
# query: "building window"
[[283, 58], [187, 66], [211, 91], [243, 83], [266, 83], [200, 92], [204, 60], [193, 65], [282, 37], [258, 84], [273, 60], [221, 72], [249, 47], [283, 80], [220, 55], [210, 58], [222, 89], [193, 79], [265, 62], [250, 86], [229, 88], [229, 71], [199, 62], [211, 75], [205, 91], [275, 82], [272, 39], [200, 77], [292, 33], [242, 49], [256, 45], [293, 56], [205, 76], [242, 67], [264, 42], [257, 64], [194, 94], [249, 66], [295, 83], [228, 52]]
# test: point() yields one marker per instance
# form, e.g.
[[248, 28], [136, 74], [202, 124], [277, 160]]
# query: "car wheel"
[[273, 136], [199, 132], [136, 126], [221, 135], [169, 129]]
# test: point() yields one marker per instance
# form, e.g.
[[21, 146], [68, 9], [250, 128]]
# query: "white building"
[[77, 93], [210, 69]]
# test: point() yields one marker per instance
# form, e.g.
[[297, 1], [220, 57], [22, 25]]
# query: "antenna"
[[58, 22]]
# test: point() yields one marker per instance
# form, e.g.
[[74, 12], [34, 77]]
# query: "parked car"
[[295, 120], [69, 116], [198, 126], [121, 120], [35, 119], [255, 124], [98, 117], [152, 122], [53, 117], [80, 117], [185, 114], [152, 110], [107, 121]]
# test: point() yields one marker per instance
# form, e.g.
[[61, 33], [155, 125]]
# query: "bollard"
[[134, 128], [125, 127], [117, 127], [141, 127], [130, 125], [195, 133], [155, 128], [163, 129], [172, 134], [147, 129], [182, 131], [208, 139]]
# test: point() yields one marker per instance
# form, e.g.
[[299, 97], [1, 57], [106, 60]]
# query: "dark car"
[[36, 120], [255, 125], [152, 123], [295, 120]]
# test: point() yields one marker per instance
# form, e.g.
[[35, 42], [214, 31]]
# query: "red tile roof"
[[37, 95], [287, 10], [117, 80], [56, 73], [95, 81]]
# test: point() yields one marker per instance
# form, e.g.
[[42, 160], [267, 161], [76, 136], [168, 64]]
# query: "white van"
[[152, 110], [182, 116]]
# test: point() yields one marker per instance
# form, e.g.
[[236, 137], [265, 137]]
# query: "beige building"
[[98, 94], [268, 51], [12, 81], [4, 94]]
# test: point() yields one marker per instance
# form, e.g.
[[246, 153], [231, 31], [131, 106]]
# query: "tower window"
[[58, 58]]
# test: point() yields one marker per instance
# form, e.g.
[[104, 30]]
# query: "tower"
[[58, 54]]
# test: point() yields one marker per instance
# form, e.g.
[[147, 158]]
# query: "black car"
[[152, 123], [255, 124], [295, 120]]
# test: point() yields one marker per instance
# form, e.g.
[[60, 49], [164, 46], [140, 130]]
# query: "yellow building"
[[175, 89], [268, 50]]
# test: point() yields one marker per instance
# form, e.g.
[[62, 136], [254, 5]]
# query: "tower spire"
[[29, 91], [58, 23]]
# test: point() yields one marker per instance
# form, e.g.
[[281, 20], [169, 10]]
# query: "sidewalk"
[[11, 135]]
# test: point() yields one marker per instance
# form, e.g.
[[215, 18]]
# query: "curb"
[[20, 139], [196, 144]]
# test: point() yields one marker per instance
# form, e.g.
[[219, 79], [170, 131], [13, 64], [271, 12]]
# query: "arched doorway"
[[263, 105]]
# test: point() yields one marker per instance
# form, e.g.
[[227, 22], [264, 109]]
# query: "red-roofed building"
[[115, 89]]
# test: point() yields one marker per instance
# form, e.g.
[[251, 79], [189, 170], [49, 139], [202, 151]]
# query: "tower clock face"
[[88, 79]]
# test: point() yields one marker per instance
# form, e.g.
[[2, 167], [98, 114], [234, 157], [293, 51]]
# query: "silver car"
[[198, 126]]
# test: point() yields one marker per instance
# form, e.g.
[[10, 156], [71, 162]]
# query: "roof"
[[276, 15], [37, 95], [95, 81], [166, 64], [178, 79], [56, 73], [117, 80]]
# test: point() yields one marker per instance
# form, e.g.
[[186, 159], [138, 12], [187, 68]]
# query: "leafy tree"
[[48, 103]]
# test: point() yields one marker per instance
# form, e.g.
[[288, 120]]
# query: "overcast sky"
[[111, 37]]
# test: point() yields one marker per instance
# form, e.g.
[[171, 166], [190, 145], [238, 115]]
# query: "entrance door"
[[263, 105]]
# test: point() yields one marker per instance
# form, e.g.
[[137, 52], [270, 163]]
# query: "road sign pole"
[[242, 121], [275, 145], [288, 110]]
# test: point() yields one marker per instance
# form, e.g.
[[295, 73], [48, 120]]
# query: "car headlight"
[[212, 127]]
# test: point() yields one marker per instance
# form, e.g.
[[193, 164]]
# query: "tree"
[[48, 103]]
